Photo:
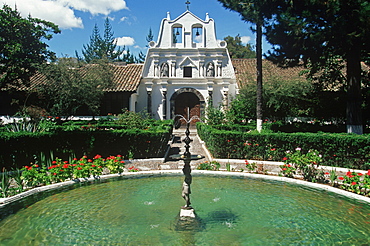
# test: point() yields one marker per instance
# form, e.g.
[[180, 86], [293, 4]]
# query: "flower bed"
[[36, 175]]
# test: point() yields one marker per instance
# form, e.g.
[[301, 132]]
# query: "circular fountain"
[[232, 209]]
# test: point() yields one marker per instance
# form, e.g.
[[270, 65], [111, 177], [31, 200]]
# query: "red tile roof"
[[245, 70], [125, 78]]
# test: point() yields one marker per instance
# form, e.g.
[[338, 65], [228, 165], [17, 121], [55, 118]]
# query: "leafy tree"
[[101, 47], [71, 86], [237, 49], [314, 31], [22, 48], [285, 95]]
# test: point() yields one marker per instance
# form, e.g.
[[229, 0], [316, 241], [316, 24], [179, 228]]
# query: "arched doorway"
[[187, 102]]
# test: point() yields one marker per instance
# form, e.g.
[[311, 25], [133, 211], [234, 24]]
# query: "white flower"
[[298, 149]]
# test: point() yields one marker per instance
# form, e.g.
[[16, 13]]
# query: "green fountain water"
[[231, 211]]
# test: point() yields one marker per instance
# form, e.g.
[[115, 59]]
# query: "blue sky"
[[130, 20]]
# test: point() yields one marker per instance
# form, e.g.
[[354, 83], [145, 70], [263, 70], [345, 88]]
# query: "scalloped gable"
[[186, 21]]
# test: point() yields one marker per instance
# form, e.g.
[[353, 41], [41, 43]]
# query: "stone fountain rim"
[[9, 200]]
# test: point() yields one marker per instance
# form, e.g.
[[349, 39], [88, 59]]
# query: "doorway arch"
[[187, 100]]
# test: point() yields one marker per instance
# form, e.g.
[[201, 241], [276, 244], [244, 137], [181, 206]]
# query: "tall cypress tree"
[[102, 47]]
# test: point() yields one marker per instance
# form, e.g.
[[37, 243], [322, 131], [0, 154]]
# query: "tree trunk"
[[354, 97], [259, 110]]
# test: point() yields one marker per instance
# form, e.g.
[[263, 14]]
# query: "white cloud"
[[52, 11], [96, 7], [62, 12], [123, 18], [245, 39], [125, 41]]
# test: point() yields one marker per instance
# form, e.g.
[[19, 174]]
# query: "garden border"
[[9, 200]]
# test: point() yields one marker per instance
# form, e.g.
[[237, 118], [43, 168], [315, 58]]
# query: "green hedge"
[[21, 148], [340, 150]]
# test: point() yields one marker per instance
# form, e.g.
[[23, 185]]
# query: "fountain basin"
[[233, 208]]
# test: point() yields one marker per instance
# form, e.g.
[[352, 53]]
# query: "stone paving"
[[177, 146]]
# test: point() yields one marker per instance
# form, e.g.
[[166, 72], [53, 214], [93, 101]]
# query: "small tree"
[[71, 85], [237, 49]]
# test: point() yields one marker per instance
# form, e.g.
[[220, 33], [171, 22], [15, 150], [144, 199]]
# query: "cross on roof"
[[187, 4]]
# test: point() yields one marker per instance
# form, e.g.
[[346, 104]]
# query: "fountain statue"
[[187, 210]]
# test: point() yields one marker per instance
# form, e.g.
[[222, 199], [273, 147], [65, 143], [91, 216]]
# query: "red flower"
[[26, 167], [65, 162], [54, 174], [84, 156], [283, 169], [65, 165], [326, 173], [368, 172], [122, 162], [89, 160], [97, 157], [93, 165], [289, 165], [359, 174], [341, 178], [74, 165], [273, 149], [75, 159], [30, 168], [285, 158], [119, 156], [54, 162], [79, 168], [36, 165], [353, 183], [246, 162]]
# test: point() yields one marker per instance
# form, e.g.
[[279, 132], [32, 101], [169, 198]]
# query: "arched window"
[[177, 34], [197, 34]]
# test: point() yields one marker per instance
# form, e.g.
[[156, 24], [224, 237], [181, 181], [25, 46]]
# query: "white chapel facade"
[[185, 70]]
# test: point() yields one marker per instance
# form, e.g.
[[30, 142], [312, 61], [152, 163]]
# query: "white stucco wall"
[[185, 54]]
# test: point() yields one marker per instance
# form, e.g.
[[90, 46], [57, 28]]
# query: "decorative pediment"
[[187, 62]]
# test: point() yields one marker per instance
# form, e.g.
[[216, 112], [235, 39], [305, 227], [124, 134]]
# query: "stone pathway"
[[177, 146]]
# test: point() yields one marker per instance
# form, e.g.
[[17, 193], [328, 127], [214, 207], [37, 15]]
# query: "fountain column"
[[186, 191]]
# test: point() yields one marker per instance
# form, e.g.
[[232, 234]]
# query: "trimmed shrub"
[[21, 148], [341, 150]]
